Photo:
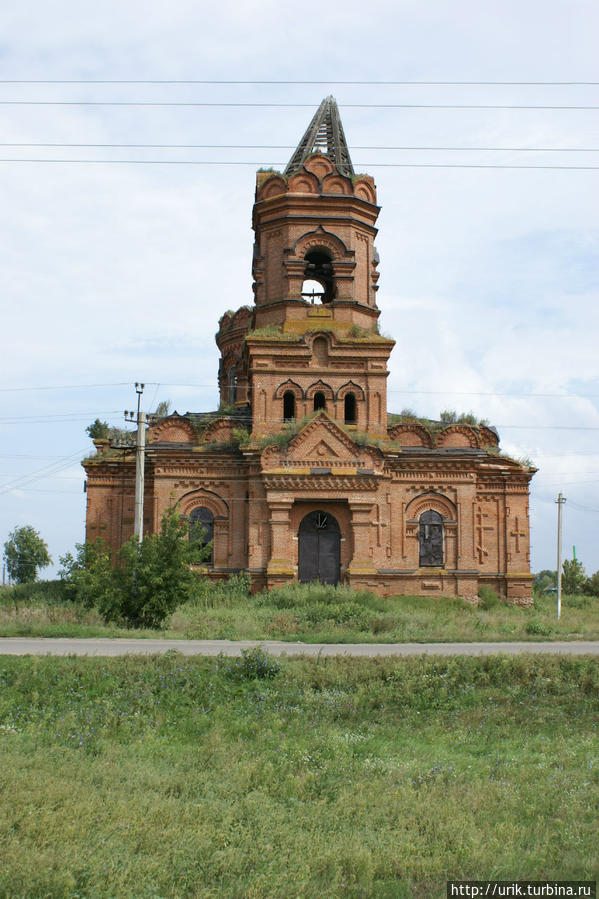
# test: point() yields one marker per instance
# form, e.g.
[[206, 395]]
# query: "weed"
[[488, 599]]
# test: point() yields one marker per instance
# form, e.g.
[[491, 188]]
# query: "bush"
[[51, 592], [537, 628], [88, 576], [488, 599], [210, 594], [153, 577], [254, 664]]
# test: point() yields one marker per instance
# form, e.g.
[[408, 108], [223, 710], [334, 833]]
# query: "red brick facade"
[[411, 507]]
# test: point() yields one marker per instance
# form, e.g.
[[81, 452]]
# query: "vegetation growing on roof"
[[356, 332], [446, 417], [274, 331], [451, 417]]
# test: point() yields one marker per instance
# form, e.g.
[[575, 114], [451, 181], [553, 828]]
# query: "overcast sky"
[[114, 272]]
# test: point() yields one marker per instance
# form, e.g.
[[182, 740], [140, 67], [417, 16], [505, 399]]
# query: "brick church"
[[302, 473]]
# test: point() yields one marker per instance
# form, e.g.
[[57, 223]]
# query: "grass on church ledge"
[[184, 777], [315, 613]]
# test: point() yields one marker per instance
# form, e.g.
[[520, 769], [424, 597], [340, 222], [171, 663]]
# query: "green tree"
[[545, 578], [98, 430], [25, 552], [573, 577], [591, 585], [155, 575], [101, 430], [88, 575]]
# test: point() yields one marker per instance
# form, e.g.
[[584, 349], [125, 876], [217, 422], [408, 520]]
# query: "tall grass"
[[316, 613], [177, 777]]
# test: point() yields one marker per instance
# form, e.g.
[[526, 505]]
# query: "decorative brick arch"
[[458, 435], [225, 321], [272, 187], [220, 430], [431, 502], [320, 240], [220, 517], [336, 184], [243, 317], [289, 385], [350, 387], [323, 388], [364, 189], [319, 164], [201, 497], [488, 436], [173, 429], [304, 183], [411, 434]]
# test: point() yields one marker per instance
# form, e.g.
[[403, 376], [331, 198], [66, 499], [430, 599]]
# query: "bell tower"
[[314, 341], [316, 223]]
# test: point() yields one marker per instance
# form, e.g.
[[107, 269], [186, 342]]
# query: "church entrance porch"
[[319, 550]]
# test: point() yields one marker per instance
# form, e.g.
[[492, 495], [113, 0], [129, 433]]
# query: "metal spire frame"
[[325, 132]]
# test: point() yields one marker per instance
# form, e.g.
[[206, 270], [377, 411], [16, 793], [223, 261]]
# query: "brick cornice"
[[315, 483]]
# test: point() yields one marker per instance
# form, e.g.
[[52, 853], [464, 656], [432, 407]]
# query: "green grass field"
[[176, 777], [314, 613]]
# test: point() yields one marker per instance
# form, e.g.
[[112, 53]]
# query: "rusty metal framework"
[[324, 133]]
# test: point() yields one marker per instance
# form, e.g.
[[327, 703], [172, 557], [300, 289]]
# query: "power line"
[[291, 147], [393, 165], [65, 387], [582, 508], [45, 471], [289, 81], [251, 105], [57, 415], [212, 384]]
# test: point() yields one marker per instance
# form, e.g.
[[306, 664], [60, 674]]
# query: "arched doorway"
[[430, 539], [319, 548]]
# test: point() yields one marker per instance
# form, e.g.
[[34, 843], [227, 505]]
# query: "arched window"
[[232, 385], [201, 529], [430, 539], [320, 401], [288, 405], [319, 279], [350, 408]]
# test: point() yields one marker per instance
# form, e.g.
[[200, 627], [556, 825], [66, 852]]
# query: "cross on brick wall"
[[480, 534], [517, 533]]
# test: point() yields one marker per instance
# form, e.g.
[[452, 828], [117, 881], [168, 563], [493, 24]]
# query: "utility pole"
[[560, 501], [140, 419]]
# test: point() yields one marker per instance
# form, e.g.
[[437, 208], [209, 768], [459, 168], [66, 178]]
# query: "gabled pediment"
[[322, 444]]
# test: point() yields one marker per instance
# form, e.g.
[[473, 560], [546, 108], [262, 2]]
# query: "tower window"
[[320, 401], [319, 278], [288, 406], [350, 408]]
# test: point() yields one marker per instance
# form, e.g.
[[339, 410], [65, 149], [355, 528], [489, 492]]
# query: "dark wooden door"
[[319, 549], [430, 538]]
